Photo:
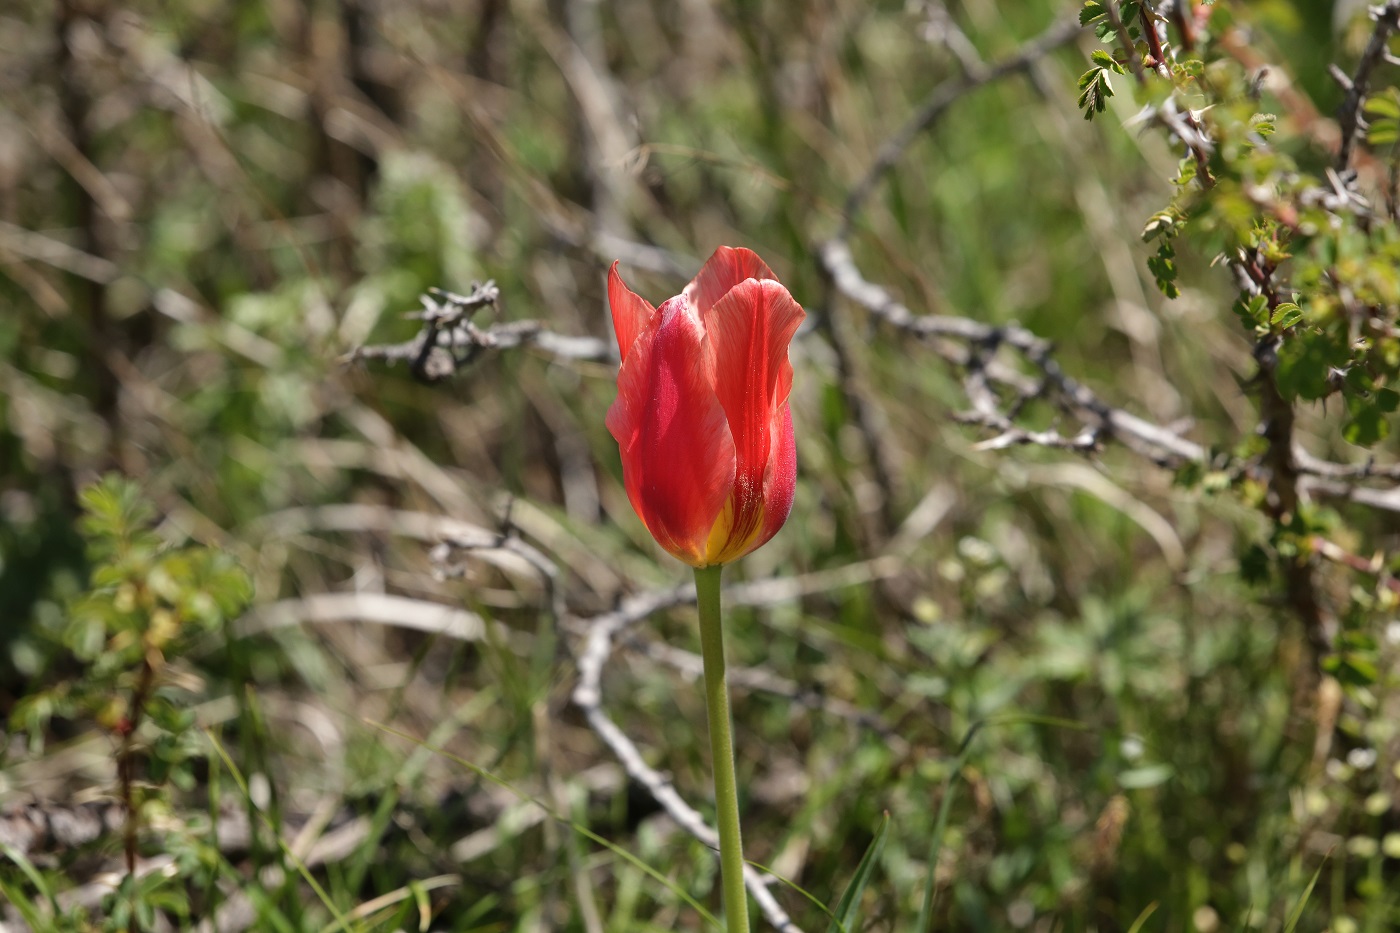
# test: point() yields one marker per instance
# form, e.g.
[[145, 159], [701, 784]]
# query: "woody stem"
[[731, 851]]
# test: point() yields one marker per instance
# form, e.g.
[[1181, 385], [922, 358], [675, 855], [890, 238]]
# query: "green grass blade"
[[794, 886], [26, 907], [1147, 912], [1297, 913], [940, 826], [848, 909], [579, 828], [30, 872], [936, 844], [341, 923]]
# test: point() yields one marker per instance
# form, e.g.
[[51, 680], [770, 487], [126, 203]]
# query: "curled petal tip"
[[630, 312], [727, 267]]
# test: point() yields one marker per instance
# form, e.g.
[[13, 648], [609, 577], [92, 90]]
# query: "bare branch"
[[449, 341], [1315, 466], [973, 342], [378, 608], [765, 681], [588, 696]]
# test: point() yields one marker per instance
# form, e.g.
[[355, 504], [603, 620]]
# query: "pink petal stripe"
[[722, 271], [677, 453], [749, 331], [630, 312]]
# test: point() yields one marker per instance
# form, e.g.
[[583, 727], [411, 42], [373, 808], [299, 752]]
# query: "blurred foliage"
[[1105, 675]]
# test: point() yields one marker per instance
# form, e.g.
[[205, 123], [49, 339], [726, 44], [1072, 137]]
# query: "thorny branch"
[[998, 393], [975, 74], [1387, 19], [449, 341], [970, 343], [1276, 425]]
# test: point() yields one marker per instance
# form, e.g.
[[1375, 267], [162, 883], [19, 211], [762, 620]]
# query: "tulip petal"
[[677, 452], [630, 312], [722, 271], [749, 331], [780, 482]]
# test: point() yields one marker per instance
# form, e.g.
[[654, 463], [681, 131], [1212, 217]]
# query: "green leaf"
[[1163, 267], [1255, 565], [1383, 132], [1366, 426], [1305, 364], [1384, 104], [1095, 90], [1091, 11], [36, 878], [1383, 109], [1286, 315], [1352, 668], [1186, 172], [669, 883], [1102, 59], [847, 911], [1252, 311]]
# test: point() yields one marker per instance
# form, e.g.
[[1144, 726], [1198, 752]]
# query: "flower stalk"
[[731, 849]]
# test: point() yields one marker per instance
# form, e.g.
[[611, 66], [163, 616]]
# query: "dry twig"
[[449, 341]]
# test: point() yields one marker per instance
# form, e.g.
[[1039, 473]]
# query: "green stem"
[[731, 849]]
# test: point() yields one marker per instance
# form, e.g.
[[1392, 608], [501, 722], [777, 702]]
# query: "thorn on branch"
[[448, 340], [970, 345]]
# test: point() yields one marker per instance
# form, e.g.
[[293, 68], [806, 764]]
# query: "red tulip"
[[702, 413]]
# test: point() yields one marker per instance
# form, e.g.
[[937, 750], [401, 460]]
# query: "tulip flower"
[[702, 413], [708, 459]]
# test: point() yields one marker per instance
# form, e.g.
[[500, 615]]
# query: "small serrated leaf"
[[1091, 11], [1366, 426], [1094, 90], [1286, 315], [1264, 124], [1258, 308]]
